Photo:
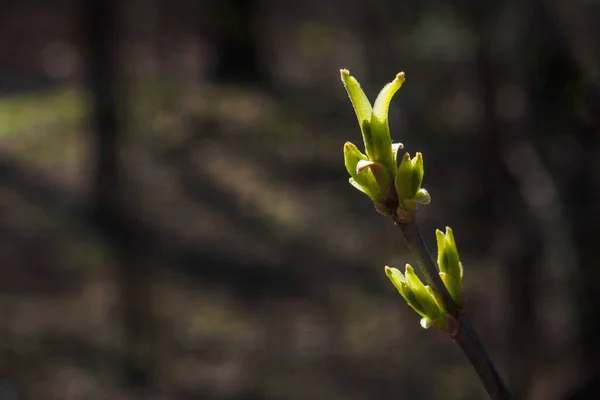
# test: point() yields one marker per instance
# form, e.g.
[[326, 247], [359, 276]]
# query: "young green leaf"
[[404, 178], [381, 174], [382, 102], [362, 108], [382, 140], [419, 172], [428, 304], [452, 285], [364, 179]]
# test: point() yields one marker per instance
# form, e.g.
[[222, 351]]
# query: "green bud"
[[419, 297], [452, 254], [404, 178], [399, 281], [373, 120], [440, 322], [435, 297], [408, 182], [419, 172], [381, 174], [352, 156], [441, 245], [422, 197], [451, 269], [380, 158], [424, 298], [448, 259], [363, 180], [452, 285]]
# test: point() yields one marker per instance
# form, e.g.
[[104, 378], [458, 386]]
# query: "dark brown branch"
[[469, 342]]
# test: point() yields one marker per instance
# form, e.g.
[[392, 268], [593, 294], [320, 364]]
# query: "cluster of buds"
[[395, 189], [377, 174], [422, 298]]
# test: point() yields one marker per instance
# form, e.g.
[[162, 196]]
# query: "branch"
[[465, 335], [469, 342]]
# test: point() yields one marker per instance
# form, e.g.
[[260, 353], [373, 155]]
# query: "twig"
[[465, 336], [469, 342]]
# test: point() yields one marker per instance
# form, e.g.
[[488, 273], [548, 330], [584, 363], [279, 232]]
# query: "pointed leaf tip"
[[382, 102], [395, 273], [450, 235], [396, 277], [351, 158]]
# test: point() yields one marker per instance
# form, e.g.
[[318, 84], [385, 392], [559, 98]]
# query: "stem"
[[469, 342], [466, 336]]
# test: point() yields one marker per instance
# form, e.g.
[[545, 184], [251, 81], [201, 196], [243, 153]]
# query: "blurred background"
[[176, 220]]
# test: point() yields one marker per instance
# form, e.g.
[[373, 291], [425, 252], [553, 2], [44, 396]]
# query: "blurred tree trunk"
[[109, 199], [501, 197], [583, 196], [522, 261], [566, 100], [231, 25], [578, 100]]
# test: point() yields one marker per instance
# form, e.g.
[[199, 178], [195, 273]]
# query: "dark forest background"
[[176, 221]]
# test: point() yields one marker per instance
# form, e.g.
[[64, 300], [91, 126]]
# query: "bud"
[[423, 296], [382, 175], [418, 296], [451, 269], [362, 180], [408, 182]]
